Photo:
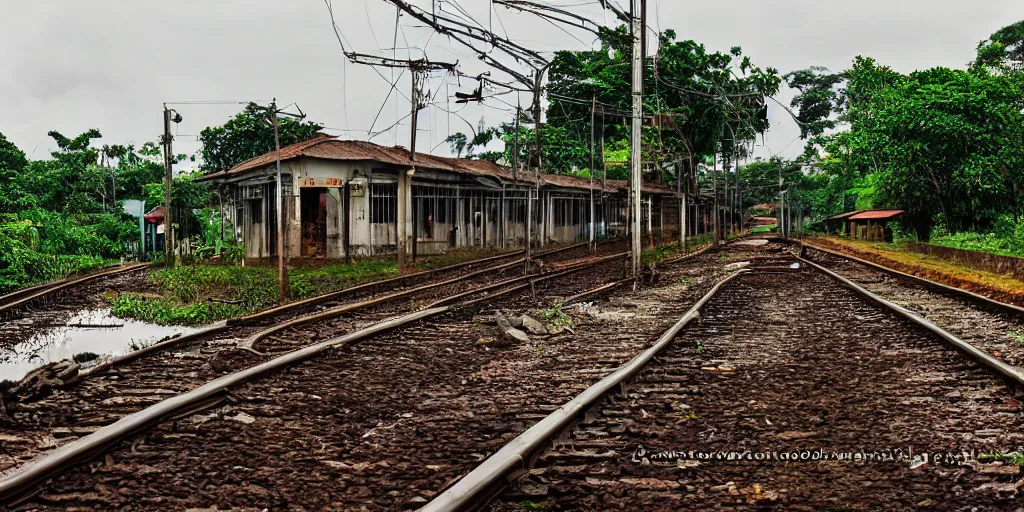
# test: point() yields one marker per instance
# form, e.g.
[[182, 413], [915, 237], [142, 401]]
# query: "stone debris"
[[508, 332], [486, 340], [243, 418], [532, 325]]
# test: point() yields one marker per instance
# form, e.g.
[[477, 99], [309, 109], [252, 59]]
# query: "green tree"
[[694, 99], [1004, 48], [248, 135], [72, 182], [13, 194]]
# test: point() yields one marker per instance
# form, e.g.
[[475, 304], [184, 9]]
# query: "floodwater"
[[90, 330]]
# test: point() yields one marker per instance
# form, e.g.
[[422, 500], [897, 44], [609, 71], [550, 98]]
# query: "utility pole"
[[739, 197], [682, 206], [537, 113], [593, 108], [405, 177], [604, 175], [282, 270], [515, 146], [778, 209], [419, 69], [538, 80], [714, 192], [272, 115], [168, 179], [727, 212], [635, 141]]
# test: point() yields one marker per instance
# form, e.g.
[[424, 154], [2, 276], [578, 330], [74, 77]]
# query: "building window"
[[384, 203]]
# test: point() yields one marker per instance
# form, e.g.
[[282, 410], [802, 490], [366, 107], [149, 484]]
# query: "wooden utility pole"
[[727, 212], [272, 116], [635, 141], [419, 69], [168, 179], [538, 80], [536, 148], [405, 178], [282, 270]]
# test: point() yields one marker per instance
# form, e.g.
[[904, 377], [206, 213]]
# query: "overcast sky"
[[74, 65]]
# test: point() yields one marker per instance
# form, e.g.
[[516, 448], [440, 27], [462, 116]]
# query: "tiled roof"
[[842, 216], [877, 214], [330, 148]]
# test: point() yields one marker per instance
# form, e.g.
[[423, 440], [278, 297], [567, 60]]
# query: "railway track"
[[783, 362], [33, 310], [146, 380], [993, 327], [396, 397], [25, 297]]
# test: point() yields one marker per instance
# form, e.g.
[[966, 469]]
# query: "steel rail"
[[1014, 374], [569, 301], [45, 466], [224, 325], [688, 255], [244, 320], [251, 341], [17, 482], [981, 299], [248, 319], [38, 291], [484, 482], [576, 267]]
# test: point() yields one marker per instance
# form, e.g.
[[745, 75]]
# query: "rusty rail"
[[1011, 373], [19, 481], [222, 326], [478, 487], [21, 297], [971, 296]]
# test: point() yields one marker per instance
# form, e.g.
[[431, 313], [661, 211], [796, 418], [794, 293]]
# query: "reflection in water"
[[91, 330]]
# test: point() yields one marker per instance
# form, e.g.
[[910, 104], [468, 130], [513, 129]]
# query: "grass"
[[537, 506], [1011, 245], [998, 286], [202, 294], [554, 317], [671, 250], [1017, 336]]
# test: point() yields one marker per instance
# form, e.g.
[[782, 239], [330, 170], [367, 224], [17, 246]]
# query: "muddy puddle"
[[90, 330]]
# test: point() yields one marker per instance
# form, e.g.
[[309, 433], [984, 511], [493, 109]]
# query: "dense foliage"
[[196, 294], [946, 145], [248, 135], [59, 216], [696, 104]]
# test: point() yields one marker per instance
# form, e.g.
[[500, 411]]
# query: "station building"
[[341, 200]]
